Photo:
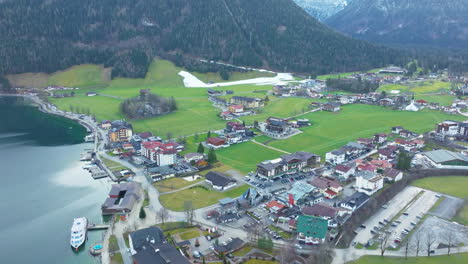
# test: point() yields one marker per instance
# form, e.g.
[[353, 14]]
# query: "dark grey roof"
[[366, 174], [159, 253], [356, 200], [247, 99], [442, 155], [338, 152], [301, 155], [268, 165], [145, 236], [233, 245], [218, 179]]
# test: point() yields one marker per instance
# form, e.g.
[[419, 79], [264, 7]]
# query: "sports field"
[[452, 259]]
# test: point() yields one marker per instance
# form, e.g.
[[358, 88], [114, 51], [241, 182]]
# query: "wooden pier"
[[92, 227]]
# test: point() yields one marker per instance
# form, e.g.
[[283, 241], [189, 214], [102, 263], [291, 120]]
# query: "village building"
[[219, 181], [311, 230], [233, 244], [380, 138], [162, 154], [392, 175], [337, 156], [369, 182], [286, 164], [247, 102], [355, 201], [275, 206], [397, 129], [444, 159], [448, 128], [193, 157], [276, 127], [149, 246], [344, 171], [331, 107], [236, 109], [328, 187], [322, 210], [106, 124], [297, 194], [120, 131], [122, 198], [216, 142]]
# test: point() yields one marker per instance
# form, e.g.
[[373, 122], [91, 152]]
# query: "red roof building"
[[215, 141]]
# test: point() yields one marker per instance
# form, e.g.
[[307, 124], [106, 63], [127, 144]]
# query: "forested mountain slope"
[[48, 35]]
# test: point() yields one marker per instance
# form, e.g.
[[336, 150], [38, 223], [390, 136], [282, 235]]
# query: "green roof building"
[[311, 230], [445, 159]]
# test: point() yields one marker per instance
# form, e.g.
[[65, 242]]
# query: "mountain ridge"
[[431, 23]]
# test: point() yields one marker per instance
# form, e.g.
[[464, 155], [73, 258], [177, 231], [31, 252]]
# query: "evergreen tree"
[[201, 149], [209, 134], [212, 156], [224, 75], [404, 161], [142, 213]]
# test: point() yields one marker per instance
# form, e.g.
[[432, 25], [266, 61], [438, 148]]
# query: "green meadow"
[[452, 259]]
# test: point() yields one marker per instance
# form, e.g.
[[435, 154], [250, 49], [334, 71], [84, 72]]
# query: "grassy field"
[[452, 259], [282, 108], [81, 76], [198, 196], [418, 87], [245, 156], [332, 130], [28, 79], [233, 76], [462, 216], [174, 184], [451, 185], [443, 100]]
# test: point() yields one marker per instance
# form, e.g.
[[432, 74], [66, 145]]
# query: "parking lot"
[[384, 215], [411, 216]]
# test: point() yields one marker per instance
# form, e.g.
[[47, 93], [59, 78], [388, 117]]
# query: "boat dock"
[[92, 227]]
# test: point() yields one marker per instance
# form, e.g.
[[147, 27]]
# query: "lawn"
[[28, 80], [198, 196], [116, 258], [451, 185], [189, 234], [104, 108], [452, 259], [243, 251], [245, 156], [333, 130], [110, 163], [174, 184]]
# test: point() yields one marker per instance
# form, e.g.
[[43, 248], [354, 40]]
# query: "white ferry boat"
[[78, 232]]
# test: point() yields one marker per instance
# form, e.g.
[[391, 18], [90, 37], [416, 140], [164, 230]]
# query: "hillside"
[[430, 23], [322, 9], [49, 35]]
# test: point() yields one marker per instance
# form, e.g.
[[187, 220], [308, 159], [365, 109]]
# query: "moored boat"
[[78, 232]]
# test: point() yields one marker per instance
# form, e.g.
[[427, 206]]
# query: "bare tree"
[[430, 240], [324, 254], [406, 246], [416, 239], [384, 243], [449, 237], [189, 211], [162, 215], [287, 253]]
